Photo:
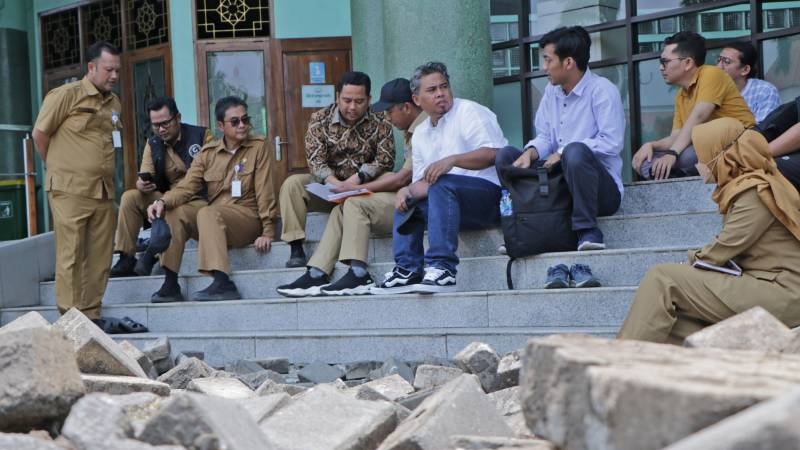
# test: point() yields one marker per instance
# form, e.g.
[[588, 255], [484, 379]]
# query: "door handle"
[[278, 143]]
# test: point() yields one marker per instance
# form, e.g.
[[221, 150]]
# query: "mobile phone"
[[146, 176]]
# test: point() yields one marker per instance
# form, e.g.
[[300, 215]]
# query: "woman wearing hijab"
[[760, 232]]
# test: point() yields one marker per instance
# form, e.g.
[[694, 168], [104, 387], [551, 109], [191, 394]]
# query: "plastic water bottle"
[[506, 208]]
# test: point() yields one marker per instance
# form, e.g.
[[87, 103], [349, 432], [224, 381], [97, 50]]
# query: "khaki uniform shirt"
[[214, 166], [80, 157], [712, 85], [407, 163], [173, 165]]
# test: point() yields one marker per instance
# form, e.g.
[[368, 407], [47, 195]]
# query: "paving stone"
[[364, 392], [393, 366], [392, 386], [360, 369], [338, 384], [271, 387], [586, 393], [354, 383], [262, 407], [180, 376], [143, 360], [190, 354], [163, 366], [492, 443], [458, 408], [40, 378], [508, 370], [411, 401], [754, 329], [13, 441], [770, 425], [280, 365], [480, 359], [319, 372], [204, 422], [256, 379], [119, 385], [230, 388], [325, 418], [96, 352], [428, 376], [508, 403], [158, 349], [28, 320], [243, 367]]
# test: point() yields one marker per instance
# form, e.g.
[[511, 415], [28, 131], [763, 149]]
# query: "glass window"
[[547, 15], [780, 14], [536, 63], [657, 101], [652, 6], [506, 104], [720, 23], [780, 68], [505, 62], [605, 45], [504, 19], [226, 77]]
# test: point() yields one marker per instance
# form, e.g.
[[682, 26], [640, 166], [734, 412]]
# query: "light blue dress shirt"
[[762, 97]]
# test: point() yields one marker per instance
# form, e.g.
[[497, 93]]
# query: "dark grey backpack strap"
[[509, 281]]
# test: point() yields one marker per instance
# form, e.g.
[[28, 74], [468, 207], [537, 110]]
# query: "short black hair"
[[226, 103], [355, 79], [748, 55], [95, 50], [689, 45], [427, 69], [571, 42], [159, 103]]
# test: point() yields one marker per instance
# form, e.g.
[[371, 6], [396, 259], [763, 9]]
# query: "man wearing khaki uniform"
[[346, 236], [240, 209], [166, 158], [73, 135]]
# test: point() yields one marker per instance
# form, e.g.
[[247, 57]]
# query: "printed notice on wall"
[[317, 95], [316, 72]]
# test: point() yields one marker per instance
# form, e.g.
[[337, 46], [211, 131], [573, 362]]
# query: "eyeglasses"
[[235, 121], [724, 60], [165, 124], [665, 61]]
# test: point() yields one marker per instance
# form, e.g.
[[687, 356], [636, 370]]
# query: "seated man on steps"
[[706, 93], [167, 156], [345, 143], [739, 60], [454, 186], [580, 122], [240, 209], [350, 224]]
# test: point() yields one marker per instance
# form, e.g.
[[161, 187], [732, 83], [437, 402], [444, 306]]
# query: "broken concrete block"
[[412, 400], [325, 418], [508, 370], [364, 392], [40, 378], [96, 352], [13, 441], [280, 365], [493, 443], [256, 379], [459, 407], [199, 421], [180, 376], [480, 359], [583, 393], [428, 377], [158, 349], [359, 369], [243, 367], [28, 320], [262, 407], [163, 366], [754, 329], [508, 403], [230, 388], [189, 354], [393, 366], [319, 372], [392, 386], [119, 385], [271, 387], [143, 360]]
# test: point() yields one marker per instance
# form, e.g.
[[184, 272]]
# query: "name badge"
[[116, 138], [236, 188]]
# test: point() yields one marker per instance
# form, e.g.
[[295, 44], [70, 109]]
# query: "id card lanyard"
[[236, 184], [116, 136]]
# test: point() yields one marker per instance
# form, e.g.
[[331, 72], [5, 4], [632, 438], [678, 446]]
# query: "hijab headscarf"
[[740, 160]]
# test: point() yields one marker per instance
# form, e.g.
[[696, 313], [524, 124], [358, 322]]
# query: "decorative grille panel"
[[148, 23], [232, 19], [103, 22], [60, 39]]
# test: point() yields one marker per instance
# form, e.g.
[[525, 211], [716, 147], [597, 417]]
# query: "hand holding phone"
[[146, 176]]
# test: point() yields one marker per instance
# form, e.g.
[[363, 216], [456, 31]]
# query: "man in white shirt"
[[454, 185], [581, 124]]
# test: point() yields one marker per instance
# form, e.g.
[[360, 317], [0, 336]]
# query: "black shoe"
[[304, 286], [145, 264], [398, 281], [557, 277], [218, 291], [167, 294], [581, 276], [297, 257], [350, 284], [436, 280], [124, 266]]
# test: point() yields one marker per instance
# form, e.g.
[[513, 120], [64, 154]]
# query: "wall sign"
[[316, 71], [317, 95]]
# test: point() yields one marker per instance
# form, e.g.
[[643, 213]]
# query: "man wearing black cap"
[[350, 224]]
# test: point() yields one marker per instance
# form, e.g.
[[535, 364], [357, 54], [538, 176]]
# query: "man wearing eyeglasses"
[[240, 210], [706, 93], [740, 61], [166, 158]]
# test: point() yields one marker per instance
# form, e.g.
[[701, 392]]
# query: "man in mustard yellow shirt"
[[706, 93], [75, 134]]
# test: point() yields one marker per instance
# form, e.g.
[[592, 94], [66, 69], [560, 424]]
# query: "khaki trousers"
[[295, 203], [349, 227], [84, 232], [132, 212], [216, 228]]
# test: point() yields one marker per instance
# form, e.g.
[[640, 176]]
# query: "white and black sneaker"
[[349, 284], [398, 281], [436, 280], [304, 286]]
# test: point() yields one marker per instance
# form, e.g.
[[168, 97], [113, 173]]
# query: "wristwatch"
[[362, 177]]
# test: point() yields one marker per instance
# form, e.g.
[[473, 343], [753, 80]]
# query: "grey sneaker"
[[557, 277], [581, 276]]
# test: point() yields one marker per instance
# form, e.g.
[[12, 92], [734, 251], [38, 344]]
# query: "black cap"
[[160, 236], [392, 93]]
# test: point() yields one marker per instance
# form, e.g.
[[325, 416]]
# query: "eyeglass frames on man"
[[724, 60], [235, 121], [664, 61], [165, 124]]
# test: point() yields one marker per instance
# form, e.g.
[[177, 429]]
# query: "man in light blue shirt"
[[739, 60], [580, 122]]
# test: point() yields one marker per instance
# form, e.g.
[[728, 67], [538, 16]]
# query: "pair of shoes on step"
[[578, 276], [401, 281], [309, 286], [216, 291], [129, 266]]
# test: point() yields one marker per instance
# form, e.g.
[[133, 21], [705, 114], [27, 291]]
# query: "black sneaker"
[[167, 294], [398, 281], [437, 280], [297, 256], [124, 266], [145, 264], [217, 291], [304, 286], [557, 277], [581, 276], [349, 284]]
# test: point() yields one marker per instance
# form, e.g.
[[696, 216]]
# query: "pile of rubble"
[[68, 386]]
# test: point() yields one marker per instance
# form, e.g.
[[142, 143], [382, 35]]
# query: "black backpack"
[[780, 119], [540, 220]]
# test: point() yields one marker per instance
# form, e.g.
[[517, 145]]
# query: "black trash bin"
[[13, 215]]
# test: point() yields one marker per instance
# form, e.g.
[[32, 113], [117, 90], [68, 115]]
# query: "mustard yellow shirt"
[[712, 85]]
